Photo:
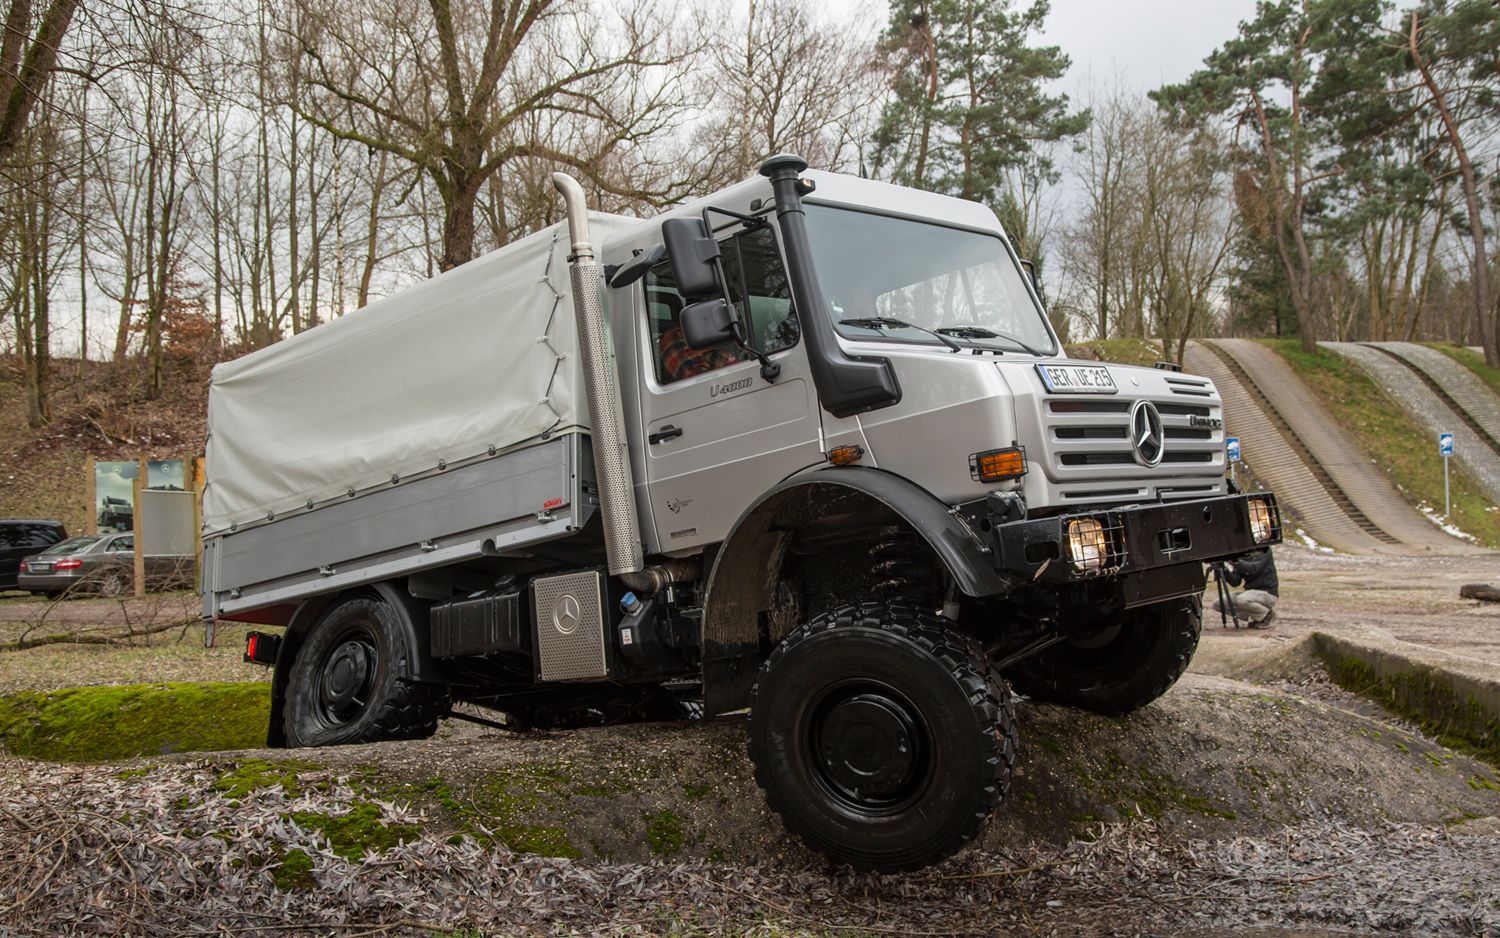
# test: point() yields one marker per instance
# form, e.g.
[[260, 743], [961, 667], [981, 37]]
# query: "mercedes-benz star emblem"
[[1146, 435], [565, 614]]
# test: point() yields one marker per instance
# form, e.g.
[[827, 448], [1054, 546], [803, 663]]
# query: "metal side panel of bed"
[[502, 503]]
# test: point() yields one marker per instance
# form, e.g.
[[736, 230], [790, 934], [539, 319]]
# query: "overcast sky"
[[1147, 42]]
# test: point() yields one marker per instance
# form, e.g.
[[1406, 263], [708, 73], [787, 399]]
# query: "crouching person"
[[1256, 603]]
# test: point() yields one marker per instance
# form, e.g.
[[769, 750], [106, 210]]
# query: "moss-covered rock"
[[251, 775], [360, 831], [664, 833], [103, 724]]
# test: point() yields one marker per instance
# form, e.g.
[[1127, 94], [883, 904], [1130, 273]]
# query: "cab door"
[[717, 433]]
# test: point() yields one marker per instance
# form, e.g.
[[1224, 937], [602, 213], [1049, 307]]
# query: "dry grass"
[[72, 643]]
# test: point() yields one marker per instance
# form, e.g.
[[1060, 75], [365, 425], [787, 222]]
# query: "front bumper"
[[1150, 552]]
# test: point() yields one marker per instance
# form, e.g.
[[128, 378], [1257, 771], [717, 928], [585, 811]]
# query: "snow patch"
[[1447, 526], [1307, 539]]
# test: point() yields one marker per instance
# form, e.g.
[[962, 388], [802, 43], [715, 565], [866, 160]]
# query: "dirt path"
[[1414, 599]]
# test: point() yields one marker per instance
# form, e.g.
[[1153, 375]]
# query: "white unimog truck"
[[807, 447]]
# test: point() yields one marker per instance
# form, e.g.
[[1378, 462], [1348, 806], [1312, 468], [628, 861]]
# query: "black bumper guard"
[[1138, 539]]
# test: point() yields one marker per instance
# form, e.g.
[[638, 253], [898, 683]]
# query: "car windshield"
[[904, 280], [72, 545]]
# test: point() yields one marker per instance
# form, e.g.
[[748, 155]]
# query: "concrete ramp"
[[1284, 465], [1345, 470], [1462, 388], [1439, 398]]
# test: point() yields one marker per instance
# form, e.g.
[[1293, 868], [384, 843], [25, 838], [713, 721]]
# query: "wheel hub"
[[869, 746], [344, 675]]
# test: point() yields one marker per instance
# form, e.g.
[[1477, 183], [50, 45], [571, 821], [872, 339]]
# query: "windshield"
[[958, 283], [71, 545]]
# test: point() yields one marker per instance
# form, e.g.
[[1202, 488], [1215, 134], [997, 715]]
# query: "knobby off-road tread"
[[965, 661], [410, 711]]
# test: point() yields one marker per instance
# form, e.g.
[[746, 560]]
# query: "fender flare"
[[409, 611], [747, 564]]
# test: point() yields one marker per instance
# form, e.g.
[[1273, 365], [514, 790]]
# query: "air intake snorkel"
[[847, 385]]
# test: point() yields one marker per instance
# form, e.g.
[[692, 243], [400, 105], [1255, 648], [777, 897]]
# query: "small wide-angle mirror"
[[693, 253], [707, 323], [635, 268], [1030, 267]]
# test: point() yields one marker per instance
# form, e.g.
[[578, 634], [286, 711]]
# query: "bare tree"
[[785, 80], [27, 60], [449, 89]]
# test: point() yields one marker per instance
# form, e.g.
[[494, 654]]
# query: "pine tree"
[[968, 101]]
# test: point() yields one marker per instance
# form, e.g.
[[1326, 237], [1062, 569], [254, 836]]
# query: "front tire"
[[1120, 668], [881, 736], [349, 683]]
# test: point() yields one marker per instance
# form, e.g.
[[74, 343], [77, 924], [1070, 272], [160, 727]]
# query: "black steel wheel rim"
[[346, 675], [869, 747]]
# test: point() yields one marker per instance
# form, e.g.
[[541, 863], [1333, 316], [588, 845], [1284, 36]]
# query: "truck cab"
[[808, 448]]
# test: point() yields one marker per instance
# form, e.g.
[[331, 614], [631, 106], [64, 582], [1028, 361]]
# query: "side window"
[[122, 543], [757, 285], [41, 535]]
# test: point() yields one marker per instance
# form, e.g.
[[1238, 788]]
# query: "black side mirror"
[[694, 255], [707, 323]]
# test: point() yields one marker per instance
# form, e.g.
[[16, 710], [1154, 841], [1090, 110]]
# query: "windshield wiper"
[[885, 322], [980, 332]]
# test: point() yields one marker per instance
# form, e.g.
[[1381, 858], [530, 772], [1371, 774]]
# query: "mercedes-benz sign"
[[1147, 437]]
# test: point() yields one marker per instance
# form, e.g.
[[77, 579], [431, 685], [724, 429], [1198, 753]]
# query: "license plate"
[[1077, 379], [38, 567]]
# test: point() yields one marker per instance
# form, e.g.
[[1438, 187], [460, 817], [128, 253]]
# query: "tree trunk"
[[1481, 257]]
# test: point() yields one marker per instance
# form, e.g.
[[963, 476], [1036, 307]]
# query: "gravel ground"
[[1414, 599], [193, 862]]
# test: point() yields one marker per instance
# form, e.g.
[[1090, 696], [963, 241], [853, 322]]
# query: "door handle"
[[668, 432]]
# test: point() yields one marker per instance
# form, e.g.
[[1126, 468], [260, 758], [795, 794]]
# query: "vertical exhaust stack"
[[622, 538]]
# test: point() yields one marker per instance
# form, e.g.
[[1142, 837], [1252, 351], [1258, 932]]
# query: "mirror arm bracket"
[[769, 370]]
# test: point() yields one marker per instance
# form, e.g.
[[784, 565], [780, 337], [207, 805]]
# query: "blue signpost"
[[1231, 453], [1445, 449]]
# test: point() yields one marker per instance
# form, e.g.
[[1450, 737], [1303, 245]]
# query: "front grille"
[[1090, 455]]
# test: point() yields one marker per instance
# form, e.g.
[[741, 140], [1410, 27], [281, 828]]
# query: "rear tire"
[[1120, 668], [349, 683], [881, 736], [113, 584]]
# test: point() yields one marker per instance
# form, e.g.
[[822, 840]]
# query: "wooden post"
[[193, 467], [91, 513], [135, 526], [195, 464]]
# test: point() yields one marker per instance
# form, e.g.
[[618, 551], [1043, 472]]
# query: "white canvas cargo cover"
[[480, 356]]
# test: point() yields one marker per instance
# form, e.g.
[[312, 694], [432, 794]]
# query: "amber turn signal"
[[845, 455], [997, 465]]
